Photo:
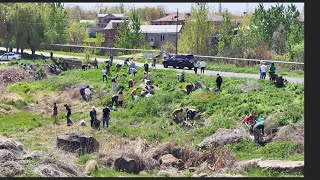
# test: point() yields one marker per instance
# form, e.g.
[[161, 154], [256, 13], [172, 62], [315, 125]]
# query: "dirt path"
[[207, 72]]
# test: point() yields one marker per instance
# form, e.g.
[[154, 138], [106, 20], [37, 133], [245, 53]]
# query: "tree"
[[56, 29], [220, 8], [28, 25], [197, 32], [278, 40], [129, 35], [225, 35], [77, 33]]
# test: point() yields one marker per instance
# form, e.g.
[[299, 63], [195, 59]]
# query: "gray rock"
[[6, 155], [9, 144], [90, 166], [224, 136], [50, 171], [11, 169], [38, 156], [170, 160], [126, 164], [283, 166], [76, 143]]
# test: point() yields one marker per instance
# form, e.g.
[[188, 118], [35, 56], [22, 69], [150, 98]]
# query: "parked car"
[[179, 60], [10, 56]]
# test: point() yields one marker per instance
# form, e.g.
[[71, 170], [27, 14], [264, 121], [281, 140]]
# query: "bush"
[[297, 52]]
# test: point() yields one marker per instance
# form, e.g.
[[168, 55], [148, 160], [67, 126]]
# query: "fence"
[[215, 59]]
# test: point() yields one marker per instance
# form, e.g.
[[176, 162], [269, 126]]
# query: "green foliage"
[[225, 35], [277, 150], [83, 159], [196, 31], [297, 52], [258, 172], [77, 33]]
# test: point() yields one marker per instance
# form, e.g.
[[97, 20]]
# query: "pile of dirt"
[[291, 133], [15, 161], [13, 74]]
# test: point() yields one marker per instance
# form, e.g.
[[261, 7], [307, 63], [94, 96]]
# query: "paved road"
[[206, 72]]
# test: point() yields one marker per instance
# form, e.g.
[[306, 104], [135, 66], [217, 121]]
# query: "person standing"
[[146, 66], [154, 62], [68, 108], [55, 112], [104, 74], [114, 84], [120, 98], [258, 131], [87, 93], [202, 66], [106, 116], [263, 68], [111, 59], [195, 66], [82, 93], [219, 81], [93, 115], [95, 63], [272, 69]]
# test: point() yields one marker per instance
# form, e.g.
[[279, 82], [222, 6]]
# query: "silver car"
[[10, 56]]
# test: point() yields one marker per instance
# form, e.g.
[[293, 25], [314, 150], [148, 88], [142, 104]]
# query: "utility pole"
[[6, 29], [177, 33]]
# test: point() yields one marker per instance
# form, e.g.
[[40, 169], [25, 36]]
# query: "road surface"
[[206, 72]]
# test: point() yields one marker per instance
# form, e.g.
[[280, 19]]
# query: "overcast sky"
[[237, 8]]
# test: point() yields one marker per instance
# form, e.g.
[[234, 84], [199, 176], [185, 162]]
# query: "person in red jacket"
[[249, 121]]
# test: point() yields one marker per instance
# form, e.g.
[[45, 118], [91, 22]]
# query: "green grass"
[[258, 172], [21, 122], [274, 151], [108, 172]]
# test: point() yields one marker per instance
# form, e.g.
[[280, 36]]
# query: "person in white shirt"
[[104, 74], [202, 66], [263, 71], [87, 93]]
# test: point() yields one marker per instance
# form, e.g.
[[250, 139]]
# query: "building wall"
[[168, 37], [109, 37]]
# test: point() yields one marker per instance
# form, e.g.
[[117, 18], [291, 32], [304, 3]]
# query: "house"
[[103, 21], [157, 35], [171, 19], [111, 30]]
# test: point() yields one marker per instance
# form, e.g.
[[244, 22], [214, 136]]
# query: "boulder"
[[90, 166], [49, 171], [77, 143], [200, 84], [126, 164], [170, 160], [9, 144], [11, 169], [224, 136], [283, 166]]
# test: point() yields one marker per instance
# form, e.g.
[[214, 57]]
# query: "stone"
[[11, 169], [38, 156], [283, 166], [90, 167], [170, 160], [126, 164], [6, 155], [9, 144], [224, 136], [77, 143]]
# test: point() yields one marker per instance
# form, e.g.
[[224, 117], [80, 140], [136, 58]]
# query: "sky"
[[236, 8]]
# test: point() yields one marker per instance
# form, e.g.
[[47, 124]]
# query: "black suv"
[[180, 61]]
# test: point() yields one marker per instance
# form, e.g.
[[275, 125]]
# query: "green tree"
[[129, 34], [77, 33], [197, 32], [225, 35]]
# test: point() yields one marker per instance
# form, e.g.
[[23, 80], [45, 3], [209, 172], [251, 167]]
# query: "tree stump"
[[77, 143]]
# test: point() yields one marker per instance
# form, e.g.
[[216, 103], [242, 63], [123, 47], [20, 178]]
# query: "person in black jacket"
[[68, 108], [219, 81], [146, 66], [93, 115]]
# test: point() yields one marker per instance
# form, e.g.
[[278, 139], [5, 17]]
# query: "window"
[[151, 39], [162, 38]]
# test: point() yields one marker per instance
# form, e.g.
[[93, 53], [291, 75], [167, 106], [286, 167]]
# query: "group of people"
[[255, 127], [85, 93], [263, 70], [202, 66]]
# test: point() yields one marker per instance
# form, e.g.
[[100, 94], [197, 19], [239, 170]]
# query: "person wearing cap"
[[258, 130], [93, 115], [106, 116]]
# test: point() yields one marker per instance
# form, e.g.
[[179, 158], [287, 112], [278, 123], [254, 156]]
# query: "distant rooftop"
[[160, 28], [116, 15], [109, 25], [172, 17]]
